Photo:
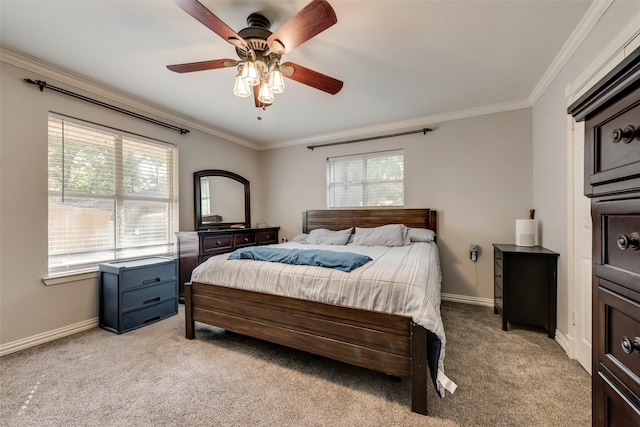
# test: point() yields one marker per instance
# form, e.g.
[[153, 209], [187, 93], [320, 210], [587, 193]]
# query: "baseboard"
[[45, 337], [565, 343], [464, 299]]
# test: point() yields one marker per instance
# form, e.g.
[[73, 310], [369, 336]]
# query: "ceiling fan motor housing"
[[256, 35]]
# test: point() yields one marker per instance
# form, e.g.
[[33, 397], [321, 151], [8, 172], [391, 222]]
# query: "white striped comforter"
[[403, 280]]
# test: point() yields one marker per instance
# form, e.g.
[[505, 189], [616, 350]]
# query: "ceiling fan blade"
[[211, 21], [311, 78], [203, 65], [316, 17]]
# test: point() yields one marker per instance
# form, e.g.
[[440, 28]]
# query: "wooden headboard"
[[339, 219]]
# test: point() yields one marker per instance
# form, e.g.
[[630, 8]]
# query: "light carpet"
[[153, 376]]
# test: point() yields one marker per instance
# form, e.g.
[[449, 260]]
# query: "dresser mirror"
[[221, 200]]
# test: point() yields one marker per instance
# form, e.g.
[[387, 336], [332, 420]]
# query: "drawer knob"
[[246, 239], [631, 241], [627, 135], [218, 242], [629, 347]]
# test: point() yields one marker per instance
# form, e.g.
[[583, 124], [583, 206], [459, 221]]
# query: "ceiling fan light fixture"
[[276, 81], [240, 88], [250, 73], [265, 95]]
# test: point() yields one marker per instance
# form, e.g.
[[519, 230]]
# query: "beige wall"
[[27, 306], [476, 172]]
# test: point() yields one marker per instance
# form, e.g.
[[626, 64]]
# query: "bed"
[[382, 341]]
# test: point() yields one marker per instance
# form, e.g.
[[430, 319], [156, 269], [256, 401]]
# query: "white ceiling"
[[401, 61]]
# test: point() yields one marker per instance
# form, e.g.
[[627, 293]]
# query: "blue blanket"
[[345, 261]]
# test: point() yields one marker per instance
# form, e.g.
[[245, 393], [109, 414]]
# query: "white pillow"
[[322, 236], [300, 238], [421, 235], [385, 235]]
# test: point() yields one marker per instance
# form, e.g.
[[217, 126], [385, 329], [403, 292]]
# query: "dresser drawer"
[[149, 294], [248, 239], [497, 257], [217, 243], [617, 242], [498, 299], [497, 274], [266, 237], [150, 314], [615, 145], [619, 337], [612, 406]]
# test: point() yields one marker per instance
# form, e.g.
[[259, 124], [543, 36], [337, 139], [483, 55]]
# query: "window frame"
[[135, 145], [366, 182]]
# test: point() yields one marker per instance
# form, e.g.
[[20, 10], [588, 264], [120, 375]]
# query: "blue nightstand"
[[138, 292]]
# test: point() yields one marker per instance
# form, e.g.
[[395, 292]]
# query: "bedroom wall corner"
[[29, 310], [476, 172], [550, 150]]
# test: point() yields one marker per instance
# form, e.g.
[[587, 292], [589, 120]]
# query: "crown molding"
[[588, 21], [80, 82], [421, 122], [606, 59]]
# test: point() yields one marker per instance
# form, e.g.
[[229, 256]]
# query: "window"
[[111, 195], [373, 179]]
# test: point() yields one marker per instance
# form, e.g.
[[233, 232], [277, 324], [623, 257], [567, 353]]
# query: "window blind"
[[111, 196], [372, 179]]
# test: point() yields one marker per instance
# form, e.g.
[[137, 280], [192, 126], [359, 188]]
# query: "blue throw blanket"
[[345, 261]]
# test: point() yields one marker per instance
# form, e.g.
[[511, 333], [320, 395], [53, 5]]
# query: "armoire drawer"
[[612, 407], [619, 334], [615, 145], [617, 242]]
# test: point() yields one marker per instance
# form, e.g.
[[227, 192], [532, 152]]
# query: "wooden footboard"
[[379, 341]]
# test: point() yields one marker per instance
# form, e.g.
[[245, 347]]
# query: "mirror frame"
[[198, 199]]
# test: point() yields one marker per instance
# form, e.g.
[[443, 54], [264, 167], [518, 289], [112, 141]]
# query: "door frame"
[[625, 43]]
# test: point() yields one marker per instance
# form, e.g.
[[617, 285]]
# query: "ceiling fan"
[[260, 72]]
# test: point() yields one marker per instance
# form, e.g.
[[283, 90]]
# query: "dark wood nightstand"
[[525, 285]]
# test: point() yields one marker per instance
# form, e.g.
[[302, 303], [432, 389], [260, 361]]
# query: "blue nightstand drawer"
[[147, 315], [148, 294], [131, 278]]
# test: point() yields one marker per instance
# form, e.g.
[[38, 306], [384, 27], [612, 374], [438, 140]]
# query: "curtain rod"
[[370, 138], [42, 85]]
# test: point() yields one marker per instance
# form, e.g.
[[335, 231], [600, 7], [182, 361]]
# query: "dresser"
[[611, 111], [136, 293], [525, 285], [195, 247]]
